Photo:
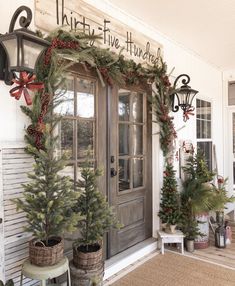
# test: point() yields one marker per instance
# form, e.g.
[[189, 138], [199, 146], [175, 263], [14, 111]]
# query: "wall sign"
[[78, 15]]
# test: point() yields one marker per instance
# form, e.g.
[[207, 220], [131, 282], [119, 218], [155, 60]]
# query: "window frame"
[[208, 139]]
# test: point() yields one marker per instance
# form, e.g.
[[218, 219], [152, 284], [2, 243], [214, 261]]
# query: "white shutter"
[[15, 164]]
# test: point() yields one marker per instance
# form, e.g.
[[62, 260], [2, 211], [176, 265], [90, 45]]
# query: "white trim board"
[[131, 255]]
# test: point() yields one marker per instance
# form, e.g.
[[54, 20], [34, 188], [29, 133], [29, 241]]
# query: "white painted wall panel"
[[15, 163], [12, 121]]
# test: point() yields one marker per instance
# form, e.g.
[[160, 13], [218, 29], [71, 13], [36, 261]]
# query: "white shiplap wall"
[[15, 164]]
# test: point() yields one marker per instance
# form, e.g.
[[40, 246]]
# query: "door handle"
[[113, 172]]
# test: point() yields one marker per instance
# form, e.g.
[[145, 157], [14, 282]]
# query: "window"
[[231, 93], [233, 132], [204, 138], [77, 127]]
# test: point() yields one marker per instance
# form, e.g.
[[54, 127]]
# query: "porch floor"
[[224, 257]]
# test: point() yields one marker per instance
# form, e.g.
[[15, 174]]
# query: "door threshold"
[[129, 256]]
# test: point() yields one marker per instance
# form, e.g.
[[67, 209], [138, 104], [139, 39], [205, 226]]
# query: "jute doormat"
[[177, 270]]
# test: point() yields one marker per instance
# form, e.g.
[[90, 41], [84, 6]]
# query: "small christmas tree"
[[48, 198], [197, 169], [170, 203], [97, 215]]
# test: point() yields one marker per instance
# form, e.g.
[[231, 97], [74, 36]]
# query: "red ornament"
[[220, 180], [166, 174], [25, 82]]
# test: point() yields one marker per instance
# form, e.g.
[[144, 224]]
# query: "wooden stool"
[[177, 237], [47, 272]]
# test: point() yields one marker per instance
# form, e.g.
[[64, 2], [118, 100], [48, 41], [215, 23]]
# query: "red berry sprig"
[[59, 44]]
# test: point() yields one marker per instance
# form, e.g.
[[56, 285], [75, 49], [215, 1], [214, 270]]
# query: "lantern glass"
[[31, 52], [191, 96], [183, 95], [11, 49]]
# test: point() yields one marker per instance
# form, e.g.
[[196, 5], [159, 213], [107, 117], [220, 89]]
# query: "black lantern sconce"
[[220, 237], [184, 96], [19, 49]]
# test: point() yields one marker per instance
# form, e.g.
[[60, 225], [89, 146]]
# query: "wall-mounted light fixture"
[[184, 96], [19, 49]]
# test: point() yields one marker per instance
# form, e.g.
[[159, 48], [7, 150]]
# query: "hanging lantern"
[[183, 97], [220, 237], [20, 49]]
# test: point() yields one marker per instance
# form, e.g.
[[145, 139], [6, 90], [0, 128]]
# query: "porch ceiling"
[[204, 27]]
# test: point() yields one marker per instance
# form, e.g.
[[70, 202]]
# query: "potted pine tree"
[[97, 218], [221, 198], [197, 196], [191, 231], [47, 200]]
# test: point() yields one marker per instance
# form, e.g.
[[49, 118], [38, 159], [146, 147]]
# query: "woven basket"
[[41, 255], [87, 260]]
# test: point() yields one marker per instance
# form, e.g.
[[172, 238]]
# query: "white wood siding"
[[15, 164]]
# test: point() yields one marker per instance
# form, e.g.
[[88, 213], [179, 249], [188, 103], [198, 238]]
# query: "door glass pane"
[[85, 98], [233, 134], [124, 174], [68, 171], [124, 105], [82, 165], [66, 138], [137, 172], [85, 138], [124, 139], [234, 173], [66, 107], [137, 109], [137, 139]]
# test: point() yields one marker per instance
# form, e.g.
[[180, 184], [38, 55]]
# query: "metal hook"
[[24, 21]]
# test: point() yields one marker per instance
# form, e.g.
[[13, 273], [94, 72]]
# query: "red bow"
[[188, 112], [25, 83]]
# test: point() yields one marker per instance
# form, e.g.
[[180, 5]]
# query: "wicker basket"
[[87, 260], [46, 255]]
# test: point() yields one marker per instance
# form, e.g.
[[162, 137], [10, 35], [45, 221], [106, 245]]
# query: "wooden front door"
[[115, 126], [129, 167]]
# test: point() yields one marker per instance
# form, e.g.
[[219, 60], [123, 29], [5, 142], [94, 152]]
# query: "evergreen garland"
[[68, 48]]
